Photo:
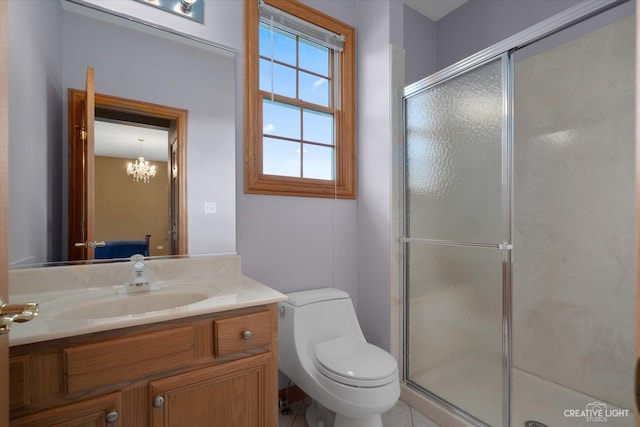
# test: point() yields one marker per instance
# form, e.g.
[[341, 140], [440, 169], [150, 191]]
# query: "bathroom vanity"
[[210, 363]]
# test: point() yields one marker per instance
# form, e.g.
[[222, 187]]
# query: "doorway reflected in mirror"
[[126, 216]]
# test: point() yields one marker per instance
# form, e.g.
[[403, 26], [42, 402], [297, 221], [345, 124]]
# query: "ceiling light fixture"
[[191, 9], [141, 169], [186, 5]]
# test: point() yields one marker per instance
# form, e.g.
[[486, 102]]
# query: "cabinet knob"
[[111, 417], [158, 401], [246, 335]]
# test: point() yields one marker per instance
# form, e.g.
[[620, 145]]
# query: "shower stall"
[[519, 227]]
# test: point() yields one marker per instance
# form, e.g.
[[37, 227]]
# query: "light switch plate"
[[209, 207]]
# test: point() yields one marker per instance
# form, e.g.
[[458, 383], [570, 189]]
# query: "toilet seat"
[[351, 361]]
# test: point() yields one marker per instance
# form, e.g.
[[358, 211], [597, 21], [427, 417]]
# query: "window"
[[300, 101]]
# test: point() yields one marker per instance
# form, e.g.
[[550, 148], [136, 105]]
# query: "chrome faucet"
[[138, 268], [140, 282]]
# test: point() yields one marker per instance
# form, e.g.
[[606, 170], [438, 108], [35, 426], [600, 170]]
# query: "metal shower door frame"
[[505, 246], [504, 49]]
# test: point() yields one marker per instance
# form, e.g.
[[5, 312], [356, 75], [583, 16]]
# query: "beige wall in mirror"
[[128, 207], [143, 206], [51, 44]]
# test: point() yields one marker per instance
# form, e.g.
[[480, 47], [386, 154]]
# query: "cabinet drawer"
[[113, 361], [92, 412], [242, 333]]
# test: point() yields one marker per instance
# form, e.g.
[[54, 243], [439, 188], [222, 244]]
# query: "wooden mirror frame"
[[76, 156]]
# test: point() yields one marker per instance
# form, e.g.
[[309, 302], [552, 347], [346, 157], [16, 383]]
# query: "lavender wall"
[[297, 243], [420, 44], [35, 159], [374, 169], [478, 24], [481, 23], [431, 46], [293, 243]]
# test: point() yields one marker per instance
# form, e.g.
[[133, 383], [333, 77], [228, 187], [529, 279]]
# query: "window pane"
[[314, 57], [284, 44], [284, 79], [280, 157], [317, 126], [265, 40], [280, 119], [314, 89], [317, 162]]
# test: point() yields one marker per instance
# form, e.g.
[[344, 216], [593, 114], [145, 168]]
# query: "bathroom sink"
[[101, 304]]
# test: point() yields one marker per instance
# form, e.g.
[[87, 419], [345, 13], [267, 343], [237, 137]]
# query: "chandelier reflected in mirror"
[[140, 169]]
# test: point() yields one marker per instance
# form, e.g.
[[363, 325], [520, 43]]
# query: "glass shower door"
[[574, 222], [457, 241]]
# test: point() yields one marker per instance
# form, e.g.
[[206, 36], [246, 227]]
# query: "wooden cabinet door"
[[87, 413], [230, 394]]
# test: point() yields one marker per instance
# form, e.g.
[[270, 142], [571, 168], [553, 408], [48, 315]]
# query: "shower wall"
[[574, 214]]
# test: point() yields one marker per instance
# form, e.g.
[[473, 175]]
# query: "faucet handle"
[[137, 258], [138, 264]]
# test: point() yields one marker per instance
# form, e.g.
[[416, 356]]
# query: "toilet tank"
[[309, 317]]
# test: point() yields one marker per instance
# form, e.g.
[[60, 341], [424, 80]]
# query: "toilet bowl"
[[322, 349]]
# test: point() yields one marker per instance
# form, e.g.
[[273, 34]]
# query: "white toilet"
[[323, 351]]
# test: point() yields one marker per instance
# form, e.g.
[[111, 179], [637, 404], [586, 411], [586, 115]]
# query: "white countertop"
[[62, 311]]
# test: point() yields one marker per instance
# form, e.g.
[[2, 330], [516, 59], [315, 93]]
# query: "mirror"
[[50, 46]]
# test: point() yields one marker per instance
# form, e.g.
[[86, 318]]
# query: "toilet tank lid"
[[301, 298]]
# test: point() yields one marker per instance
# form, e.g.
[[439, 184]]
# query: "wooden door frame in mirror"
[[76, 99]]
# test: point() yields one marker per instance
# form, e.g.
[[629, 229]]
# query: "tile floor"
[[401, 415]]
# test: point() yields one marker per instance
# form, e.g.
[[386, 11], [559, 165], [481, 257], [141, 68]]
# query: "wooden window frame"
[[255, 181]]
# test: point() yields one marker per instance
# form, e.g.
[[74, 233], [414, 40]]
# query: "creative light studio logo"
[[596, 412]]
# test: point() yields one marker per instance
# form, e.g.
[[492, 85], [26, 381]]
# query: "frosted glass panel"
[[454, 326], [454, 158], [574, 226]]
